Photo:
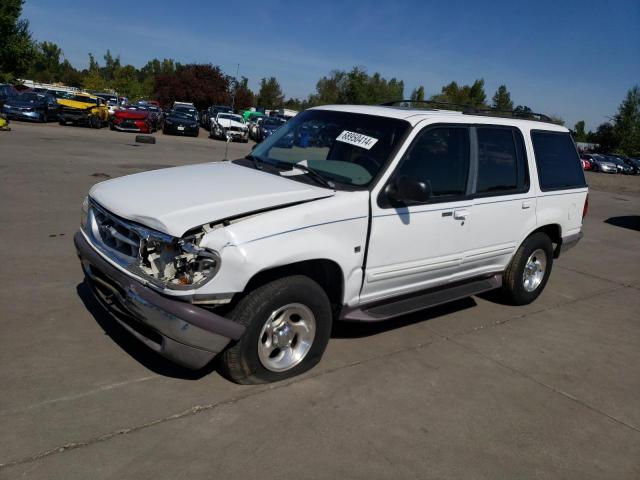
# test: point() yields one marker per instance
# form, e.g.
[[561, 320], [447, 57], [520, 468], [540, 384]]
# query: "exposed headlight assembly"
[[164, 261], [178, 264]]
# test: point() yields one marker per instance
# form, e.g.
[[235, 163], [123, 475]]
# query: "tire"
[[145, 139], [248, 361], [62, 122], [537, 251], [44, 118]]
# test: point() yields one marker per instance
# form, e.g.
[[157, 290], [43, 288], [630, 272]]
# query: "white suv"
[[346, 213]]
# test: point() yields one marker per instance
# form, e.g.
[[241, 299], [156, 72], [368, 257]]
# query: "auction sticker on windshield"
[[357, 139]]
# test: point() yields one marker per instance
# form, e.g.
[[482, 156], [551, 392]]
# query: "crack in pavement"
[[201, 408], [285, 384], [547, 386]]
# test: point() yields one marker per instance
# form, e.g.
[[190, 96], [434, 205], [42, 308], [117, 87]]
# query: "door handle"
[[526, 205], [460, 214]]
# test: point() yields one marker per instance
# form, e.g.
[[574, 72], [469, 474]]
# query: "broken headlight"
[[178, 264]]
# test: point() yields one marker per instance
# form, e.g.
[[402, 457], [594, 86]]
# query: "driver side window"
[[439, 157]]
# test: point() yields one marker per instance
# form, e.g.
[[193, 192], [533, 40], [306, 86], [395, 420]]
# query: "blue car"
[[40, 107]]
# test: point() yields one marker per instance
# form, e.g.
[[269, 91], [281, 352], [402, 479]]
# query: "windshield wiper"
[[312, 173], [255, 160]]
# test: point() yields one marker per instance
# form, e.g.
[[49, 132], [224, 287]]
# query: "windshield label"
[[357, 139]]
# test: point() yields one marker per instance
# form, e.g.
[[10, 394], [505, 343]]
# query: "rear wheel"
[[288, 324], [529, 270]]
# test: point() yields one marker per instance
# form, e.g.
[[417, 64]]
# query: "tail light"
[[585, 209]]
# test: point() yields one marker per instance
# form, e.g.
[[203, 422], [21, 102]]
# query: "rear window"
[[501, 161], [557, 160]]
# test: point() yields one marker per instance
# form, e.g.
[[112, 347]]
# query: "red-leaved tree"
[[202, 84]]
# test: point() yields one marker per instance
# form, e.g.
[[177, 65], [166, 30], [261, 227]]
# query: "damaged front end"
[[163, 261]]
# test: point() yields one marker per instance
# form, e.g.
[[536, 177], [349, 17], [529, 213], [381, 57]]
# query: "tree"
[[111, 66], [605, 137], [580, 135], [418, 94], [467, 95], [202, 84], [244, 97], [502, 99], [46, 66], [626, 126], [270, 95], [16, 46]]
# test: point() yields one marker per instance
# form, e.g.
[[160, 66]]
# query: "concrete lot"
[[470, 390]]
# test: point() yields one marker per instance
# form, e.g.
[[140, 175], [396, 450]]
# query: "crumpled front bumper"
[[184, 333]]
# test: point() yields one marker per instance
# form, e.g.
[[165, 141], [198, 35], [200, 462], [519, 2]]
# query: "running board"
[[420, 300]]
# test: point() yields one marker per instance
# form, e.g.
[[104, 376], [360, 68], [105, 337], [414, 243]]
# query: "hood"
[[134, 114], [181, 120], [225, 122], [270, 127], [74, 104], [175, 200]]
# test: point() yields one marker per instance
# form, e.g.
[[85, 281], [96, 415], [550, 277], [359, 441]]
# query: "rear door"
[[504, 206]]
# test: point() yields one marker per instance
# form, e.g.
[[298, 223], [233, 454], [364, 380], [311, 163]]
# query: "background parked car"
[[6, 92], [40, 107], [600, 163], [212, 112], [178, 122], [268, 126], [229, 126], [132, 119], [84, 109], [620, 164]]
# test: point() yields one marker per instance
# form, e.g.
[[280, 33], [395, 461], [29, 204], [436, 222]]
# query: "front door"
[[414, 246]]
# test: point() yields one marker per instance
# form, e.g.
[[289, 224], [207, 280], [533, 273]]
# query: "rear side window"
[[501, 162], [440, 158], [557, 160]]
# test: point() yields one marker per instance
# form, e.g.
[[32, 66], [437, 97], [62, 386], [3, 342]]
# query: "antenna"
[[233, 106]]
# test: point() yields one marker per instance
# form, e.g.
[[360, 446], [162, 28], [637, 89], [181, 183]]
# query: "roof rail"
[[470, 110]]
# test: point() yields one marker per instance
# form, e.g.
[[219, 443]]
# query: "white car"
[[229, 126], [346, 213]]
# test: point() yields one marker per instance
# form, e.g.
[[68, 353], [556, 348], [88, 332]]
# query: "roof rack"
[[469, 110]]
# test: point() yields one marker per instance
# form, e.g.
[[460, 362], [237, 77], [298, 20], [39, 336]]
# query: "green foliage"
[[270, 95], [17, 49], [502, 99], [626, 127], [580, 135], [418, 94], [467, 95], [355, 87], [605, 137]]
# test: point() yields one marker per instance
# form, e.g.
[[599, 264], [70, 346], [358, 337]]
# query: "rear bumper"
[[184, 333], [570, 241]]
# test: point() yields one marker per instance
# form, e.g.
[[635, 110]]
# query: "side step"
[[430, 298]]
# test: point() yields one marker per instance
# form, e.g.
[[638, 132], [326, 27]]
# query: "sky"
[[575, 59]]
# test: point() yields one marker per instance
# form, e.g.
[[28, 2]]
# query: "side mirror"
[[406, 189]]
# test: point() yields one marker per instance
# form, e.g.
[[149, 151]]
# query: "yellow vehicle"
[[84, 109]]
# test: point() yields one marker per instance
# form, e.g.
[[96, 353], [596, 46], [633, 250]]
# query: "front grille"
[[117, 234], [235, 129]]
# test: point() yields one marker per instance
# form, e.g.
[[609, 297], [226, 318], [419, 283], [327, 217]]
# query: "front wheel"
[[288, 324], [528, 273]]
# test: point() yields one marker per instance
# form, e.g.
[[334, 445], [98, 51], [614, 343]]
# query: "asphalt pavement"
[[473, 389]]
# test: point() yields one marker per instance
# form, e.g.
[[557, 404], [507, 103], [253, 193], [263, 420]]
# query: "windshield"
[[177, 114], [187, 110], [228, 116], [345, 148], [83, 99], [273, 121]]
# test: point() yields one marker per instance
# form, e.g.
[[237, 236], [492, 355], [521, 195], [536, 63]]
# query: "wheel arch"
[[554, 232], [327, 273]]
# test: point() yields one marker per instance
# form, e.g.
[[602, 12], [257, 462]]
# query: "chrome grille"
[[117, 234]]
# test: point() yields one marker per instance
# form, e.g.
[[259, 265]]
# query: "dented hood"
[[175, 200]]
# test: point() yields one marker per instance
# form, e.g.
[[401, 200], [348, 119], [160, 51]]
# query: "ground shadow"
[[632, 222], [367, 329], [147, 357]]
